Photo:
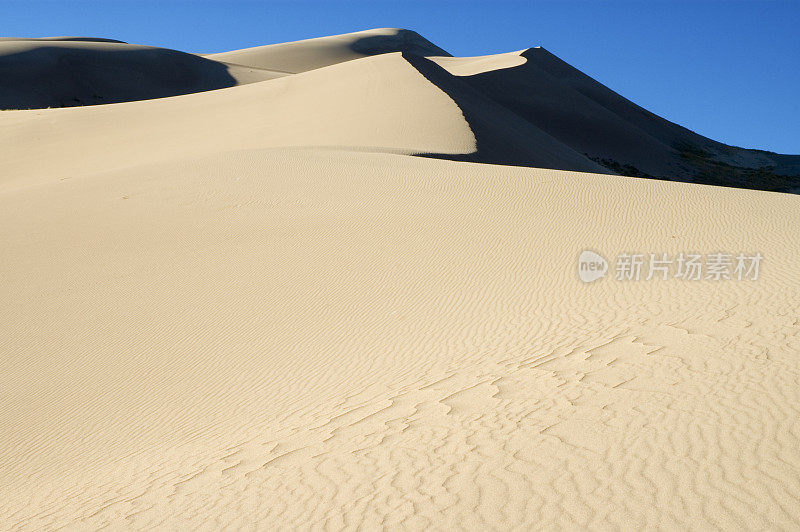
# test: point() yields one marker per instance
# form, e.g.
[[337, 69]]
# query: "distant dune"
[[333, 284], [64, 38], [301, 56], [535, 88], [73, 72], [594, 120], [524, 108]]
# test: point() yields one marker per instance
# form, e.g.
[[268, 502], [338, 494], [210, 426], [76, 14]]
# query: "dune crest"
[[308, 54], [379, 103], [525, 108], [63, 38]]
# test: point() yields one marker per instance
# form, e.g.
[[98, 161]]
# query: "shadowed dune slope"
[[39, 73], [308, 54], [501, 136], [596, 121], [64, 38]]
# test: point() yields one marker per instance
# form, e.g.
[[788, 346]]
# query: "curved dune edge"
[[62, 38], [470, 66], [309, 54], [303, 338], [375, 103], [525, 108], [56, 73]]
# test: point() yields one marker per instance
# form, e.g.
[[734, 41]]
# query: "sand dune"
[[501, 136], [299, 338], [525, 108], [301, 56], [254, 307], [595, 121], [375, 104], [380, 103], [68, 72], [63, 38]]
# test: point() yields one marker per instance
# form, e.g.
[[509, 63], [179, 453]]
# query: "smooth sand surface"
[[309, 54], [254, 308], [377, 103], [470, 66]]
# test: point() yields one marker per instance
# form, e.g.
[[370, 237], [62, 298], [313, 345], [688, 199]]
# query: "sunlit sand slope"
[[283, 339], [308, 54], [382, 103], [377, 103]]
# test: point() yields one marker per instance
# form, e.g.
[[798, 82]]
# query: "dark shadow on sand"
[[545, 113], [501, 136], [50, 76]]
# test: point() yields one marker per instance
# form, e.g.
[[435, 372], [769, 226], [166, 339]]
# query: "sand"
[[309, 54], [255, 308], [525, 108]]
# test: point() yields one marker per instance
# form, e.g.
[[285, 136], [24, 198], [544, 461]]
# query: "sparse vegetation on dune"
[[711, 171]]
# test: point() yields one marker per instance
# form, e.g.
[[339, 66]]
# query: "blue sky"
[[727, 69]]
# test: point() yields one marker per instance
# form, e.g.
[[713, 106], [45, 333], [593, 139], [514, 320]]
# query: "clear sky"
[[727, 69]]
